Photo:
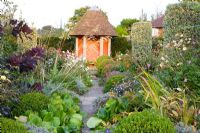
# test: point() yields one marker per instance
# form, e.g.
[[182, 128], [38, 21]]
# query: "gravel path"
[[87, 102]]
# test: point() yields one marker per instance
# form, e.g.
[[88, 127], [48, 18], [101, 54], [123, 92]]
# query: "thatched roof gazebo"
[[93, 35], [157, 26]]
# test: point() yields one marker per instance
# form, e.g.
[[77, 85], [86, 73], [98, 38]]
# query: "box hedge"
[[11, 126], [34, 101], [147, 121], [182, 19]]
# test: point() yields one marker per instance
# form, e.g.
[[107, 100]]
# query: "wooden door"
[[93, 50]]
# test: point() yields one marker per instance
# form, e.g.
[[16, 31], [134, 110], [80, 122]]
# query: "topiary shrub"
[[147, 121], [11, 126], [141, 37], [104, 64], [33, 101], [112, 81], [183, 19], [120, 45]]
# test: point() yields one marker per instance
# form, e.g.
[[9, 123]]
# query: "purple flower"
[[181, 102], [148, 65], [20, 27], [15, 32], [1, 30], [107, 131], [37, 87], [37, 53], [15, 60], [13, 22], [26, 29], [27, 64]]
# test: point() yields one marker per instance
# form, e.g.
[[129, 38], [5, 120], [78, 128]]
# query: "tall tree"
[[125, 25], [143, 16], [78, 13], [50, 31]]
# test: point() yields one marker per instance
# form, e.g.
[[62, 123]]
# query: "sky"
[[57, 12]]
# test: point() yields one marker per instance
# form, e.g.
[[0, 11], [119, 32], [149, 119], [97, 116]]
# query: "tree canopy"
[[78, 13], [125, 25], [50, 31]]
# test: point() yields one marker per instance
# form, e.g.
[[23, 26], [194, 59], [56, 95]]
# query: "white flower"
[[181, 41], [166, 61], [178, 64], [168, 45], [184, 48], [178, 89], [3, 77], [181, 35], [162, 58], [161, 65], [185, 80]]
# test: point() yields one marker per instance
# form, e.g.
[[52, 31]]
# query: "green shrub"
[[147, 121], [33, 101], [101, 58], [104, 64], [182, 18], [123, 62], [141, 36], [112, 81], [120, 45], [11, 126]]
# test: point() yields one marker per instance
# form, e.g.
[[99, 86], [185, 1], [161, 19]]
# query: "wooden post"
[[84, 47], [101, 46], [109, 46], [77, 46]]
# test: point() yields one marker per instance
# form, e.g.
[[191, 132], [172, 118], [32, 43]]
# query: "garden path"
[[88, 99]]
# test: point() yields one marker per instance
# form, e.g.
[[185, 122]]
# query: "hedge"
[[56, 42], [184, 19], [120, 45], [141, 37]]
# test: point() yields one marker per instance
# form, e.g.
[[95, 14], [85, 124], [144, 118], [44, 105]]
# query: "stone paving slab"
[[87, 101]]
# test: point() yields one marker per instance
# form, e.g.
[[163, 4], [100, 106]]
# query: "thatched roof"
[[94, 22], [158, 23]]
